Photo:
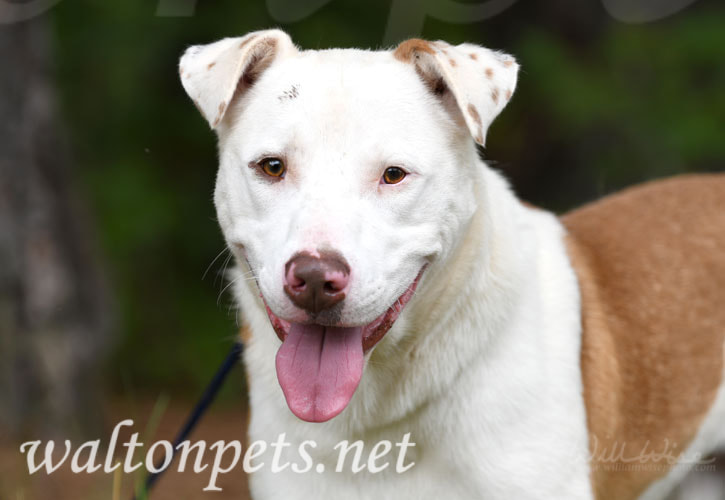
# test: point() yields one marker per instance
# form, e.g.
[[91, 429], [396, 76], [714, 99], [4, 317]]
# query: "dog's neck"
[[485, 265]]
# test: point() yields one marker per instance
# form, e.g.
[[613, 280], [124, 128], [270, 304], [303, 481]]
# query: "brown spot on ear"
[[473, 56], [210, 65], [222, 107], [452, 62], [479, 136], [508, 95], [508, 63], [407, 49], [489, 73], [407, 52], [494, 95], [474, 114]]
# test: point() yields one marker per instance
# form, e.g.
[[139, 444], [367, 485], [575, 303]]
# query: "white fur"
[[486, 376], [482, 367]]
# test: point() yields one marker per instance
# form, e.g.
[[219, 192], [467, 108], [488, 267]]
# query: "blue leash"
[[206, 399]]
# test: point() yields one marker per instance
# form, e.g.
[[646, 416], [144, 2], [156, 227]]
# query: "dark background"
[[601, 104]]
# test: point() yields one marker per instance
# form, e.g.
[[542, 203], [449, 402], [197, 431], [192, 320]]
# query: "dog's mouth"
[[319, 367]]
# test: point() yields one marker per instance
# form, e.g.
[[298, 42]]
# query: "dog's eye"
[[273, 167], [393, 175]]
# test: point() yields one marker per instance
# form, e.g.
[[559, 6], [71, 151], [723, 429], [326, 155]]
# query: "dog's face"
[[343, 173]]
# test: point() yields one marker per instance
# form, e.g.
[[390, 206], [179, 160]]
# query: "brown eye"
[[274, 167], [393, 175]]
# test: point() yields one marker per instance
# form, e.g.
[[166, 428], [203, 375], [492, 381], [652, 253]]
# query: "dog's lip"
[[373, 332]]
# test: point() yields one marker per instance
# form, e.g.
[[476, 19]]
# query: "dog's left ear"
[[480, 80], [215, 74]]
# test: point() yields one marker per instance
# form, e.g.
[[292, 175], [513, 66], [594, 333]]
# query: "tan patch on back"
[[489, 73], [651, 268], [407, 49], [473, 56], [452, 62], [210, 65]]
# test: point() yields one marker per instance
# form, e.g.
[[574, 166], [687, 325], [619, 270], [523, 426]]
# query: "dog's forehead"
[[336, 76], [340, 98]]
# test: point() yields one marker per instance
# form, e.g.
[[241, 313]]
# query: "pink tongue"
[[319, 368]]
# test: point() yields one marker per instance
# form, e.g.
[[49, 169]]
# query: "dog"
[[391, 283]]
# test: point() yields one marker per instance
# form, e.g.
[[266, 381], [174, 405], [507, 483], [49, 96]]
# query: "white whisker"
[[226, 287], [225, 249], [224, 267]]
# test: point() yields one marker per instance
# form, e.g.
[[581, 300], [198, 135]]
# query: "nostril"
[[293, 279], [297, 283], [335, 281]]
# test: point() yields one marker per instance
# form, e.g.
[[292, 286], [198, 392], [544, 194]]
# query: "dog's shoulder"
[[651, 266]]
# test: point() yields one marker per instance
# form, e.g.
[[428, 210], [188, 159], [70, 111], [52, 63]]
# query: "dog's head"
[[343, 174]]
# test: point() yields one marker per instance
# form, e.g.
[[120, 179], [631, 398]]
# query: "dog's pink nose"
[[316, 283]]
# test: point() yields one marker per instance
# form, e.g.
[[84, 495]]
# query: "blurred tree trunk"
[[54, 325]]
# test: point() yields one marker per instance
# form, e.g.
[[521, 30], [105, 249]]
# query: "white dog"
[[528, 357]]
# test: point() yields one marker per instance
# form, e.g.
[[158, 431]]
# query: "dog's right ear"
[[213, 75], [481, 81]]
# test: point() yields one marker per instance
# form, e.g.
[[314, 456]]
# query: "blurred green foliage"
[[600, 105]]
